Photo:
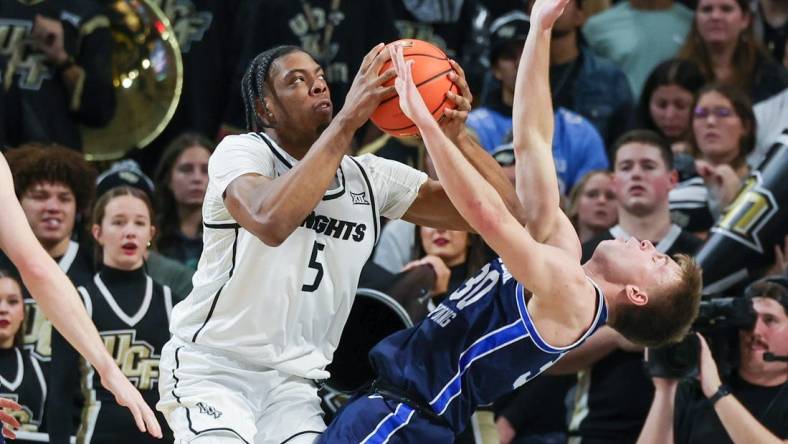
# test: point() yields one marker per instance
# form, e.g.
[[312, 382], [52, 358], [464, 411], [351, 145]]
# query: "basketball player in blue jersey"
[[58, 298], [520, 313]]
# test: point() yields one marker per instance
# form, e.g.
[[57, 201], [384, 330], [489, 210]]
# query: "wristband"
[[721, 392]]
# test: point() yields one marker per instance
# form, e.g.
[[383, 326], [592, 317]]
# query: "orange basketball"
[[430, 74]]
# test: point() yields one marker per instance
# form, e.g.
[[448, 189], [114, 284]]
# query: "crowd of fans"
[[662, 110]]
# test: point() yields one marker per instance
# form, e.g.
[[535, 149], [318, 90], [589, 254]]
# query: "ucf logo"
[[188, 24], [753, 208], [136, 359], [20, 57], [314, 29], [206, 409], [38, 332]]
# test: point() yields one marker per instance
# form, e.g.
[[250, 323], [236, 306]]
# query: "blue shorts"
[[372, 419]]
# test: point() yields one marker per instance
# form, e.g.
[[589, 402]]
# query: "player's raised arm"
[[60, 302], [532, 113], [479, 204], [431, 207]]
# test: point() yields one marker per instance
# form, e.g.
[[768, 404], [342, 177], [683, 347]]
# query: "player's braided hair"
[[254, 83]]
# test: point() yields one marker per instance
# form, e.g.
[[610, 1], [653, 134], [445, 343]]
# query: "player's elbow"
[[487, 219], [270, 230], [33, 269]]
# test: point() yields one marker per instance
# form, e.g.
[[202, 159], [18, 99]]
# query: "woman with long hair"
[[592, 204], [723, 44], [131, 312], [666, 103], [723, 134], [182, 179]]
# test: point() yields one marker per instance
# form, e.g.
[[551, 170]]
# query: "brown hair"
[[646, 137], [99, 210], [34, 163], [669, 313], [743, 109], [771, 287], [745, 57], [19, 336], [168, 221]]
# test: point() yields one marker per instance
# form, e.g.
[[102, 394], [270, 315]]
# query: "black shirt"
[[22, 380], [615, 394], [131, 313], [338, 34], [695, 420], [37, 105]]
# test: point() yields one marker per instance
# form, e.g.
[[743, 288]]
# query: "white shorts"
[[212, 397]]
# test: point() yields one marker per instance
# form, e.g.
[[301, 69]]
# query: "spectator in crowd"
[[131, 313], [162, 269], [771, 27], [182, 176], [54, 186], [723, 134], [722, 43], [592, 204], [577, 145], [750, 407], [454, 255], [613, 394], [619, 34], [584, 82], [23, 379], [666, 103], [57, 73]]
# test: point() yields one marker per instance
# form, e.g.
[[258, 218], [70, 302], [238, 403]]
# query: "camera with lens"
[[719, 319]]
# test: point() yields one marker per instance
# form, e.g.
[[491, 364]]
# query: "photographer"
[[752, 407]]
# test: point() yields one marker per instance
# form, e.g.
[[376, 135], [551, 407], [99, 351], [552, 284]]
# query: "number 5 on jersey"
[[315, 265]]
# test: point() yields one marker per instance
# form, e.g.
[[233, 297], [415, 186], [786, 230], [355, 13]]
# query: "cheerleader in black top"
[[131, 313], [21, 378]]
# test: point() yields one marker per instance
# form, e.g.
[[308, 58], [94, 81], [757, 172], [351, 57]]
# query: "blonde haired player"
[[58, 298]]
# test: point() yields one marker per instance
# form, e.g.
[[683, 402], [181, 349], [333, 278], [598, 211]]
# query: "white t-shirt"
[[284, 307]]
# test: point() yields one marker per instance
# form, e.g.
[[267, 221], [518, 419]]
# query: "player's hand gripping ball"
[[431, 70]]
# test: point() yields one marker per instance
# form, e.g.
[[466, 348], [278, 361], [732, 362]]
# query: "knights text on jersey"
[[284, 307], [477, 345]]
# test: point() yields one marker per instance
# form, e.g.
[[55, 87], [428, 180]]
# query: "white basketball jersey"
[[284, 307]]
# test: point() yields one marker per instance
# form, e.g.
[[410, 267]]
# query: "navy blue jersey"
[[477, 345]]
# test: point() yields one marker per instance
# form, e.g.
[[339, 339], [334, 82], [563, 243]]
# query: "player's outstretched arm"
[[61, 304], [477, 201], [432, 207], [536, 181], [272, 208]]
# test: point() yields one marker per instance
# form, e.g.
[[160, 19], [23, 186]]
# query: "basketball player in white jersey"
[[289, 221], [58, 298]]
